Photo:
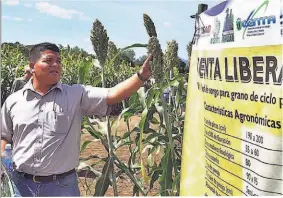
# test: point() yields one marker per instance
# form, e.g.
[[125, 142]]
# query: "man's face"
[[48, 67]]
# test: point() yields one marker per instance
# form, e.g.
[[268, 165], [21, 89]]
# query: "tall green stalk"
[[99, 41], [171, 61]]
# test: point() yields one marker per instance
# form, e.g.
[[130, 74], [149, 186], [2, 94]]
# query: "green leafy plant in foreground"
[[154, 143]]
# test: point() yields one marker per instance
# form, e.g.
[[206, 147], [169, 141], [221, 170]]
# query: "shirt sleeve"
[[6, 124], [94, 101]]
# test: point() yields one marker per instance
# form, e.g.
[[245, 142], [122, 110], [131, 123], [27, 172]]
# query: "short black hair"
[[36, 50]]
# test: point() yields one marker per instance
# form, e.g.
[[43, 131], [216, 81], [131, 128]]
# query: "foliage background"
[[160, 130]]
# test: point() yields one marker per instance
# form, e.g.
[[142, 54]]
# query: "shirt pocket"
[[58, 122]]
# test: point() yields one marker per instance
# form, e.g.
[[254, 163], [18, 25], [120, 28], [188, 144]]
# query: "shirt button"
[[41, 110]]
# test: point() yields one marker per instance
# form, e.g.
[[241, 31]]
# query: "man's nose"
[[56, 64]]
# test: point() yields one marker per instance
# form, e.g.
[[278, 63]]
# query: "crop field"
[[136, 151]]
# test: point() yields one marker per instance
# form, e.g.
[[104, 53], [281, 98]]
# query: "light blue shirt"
[[45, 130]]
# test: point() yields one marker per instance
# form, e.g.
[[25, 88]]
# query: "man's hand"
[[126, 88], [145, 70]]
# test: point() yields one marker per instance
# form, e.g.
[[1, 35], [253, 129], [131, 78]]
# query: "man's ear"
[[31, 66]]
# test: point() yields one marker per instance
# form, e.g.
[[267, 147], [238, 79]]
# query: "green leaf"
[[85, 145], [84, 166], [142, 97], [174, 82], [176, 184], [97, 79], [134, 154], [135, 191], [132, 176], [183, 100], [84, 70], [82, 159], [152, 137], [150, 161], [142, 123], [119, 118], [160, 111], [149, 117], [93, 132], [157, 97], [126, 135], [133, 99], [178, 137], [149, 98], [165, 180], [163, 139], [136, 166], [154, 121], [147, 147], [128, 114], [179, 92], [126, 48], [149, 131], [103, 182], [167, 119], [123, 144]]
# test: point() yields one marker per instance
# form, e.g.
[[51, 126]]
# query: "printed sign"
[[233, 124]]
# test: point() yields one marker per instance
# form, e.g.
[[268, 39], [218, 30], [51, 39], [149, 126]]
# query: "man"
[[43, 121], [20, 82]]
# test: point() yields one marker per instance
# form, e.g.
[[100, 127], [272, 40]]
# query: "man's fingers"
[[148, 59]]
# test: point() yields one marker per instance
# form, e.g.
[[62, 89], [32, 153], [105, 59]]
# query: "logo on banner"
[[204, 31], [228, 29], [256, 25], [215, 35]]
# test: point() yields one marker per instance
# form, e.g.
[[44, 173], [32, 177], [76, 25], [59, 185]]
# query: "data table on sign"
[[249, 165]]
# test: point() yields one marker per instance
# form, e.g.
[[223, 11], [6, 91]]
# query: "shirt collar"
[[29, 86]]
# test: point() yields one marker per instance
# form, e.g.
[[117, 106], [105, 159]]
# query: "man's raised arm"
[[126, 88]]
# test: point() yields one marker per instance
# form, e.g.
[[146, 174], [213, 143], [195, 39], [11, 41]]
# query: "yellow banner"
[[233, 127]]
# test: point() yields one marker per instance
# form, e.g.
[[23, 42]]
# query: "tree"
[[129, 57], [130, 54], [182, 67], [140, 60]]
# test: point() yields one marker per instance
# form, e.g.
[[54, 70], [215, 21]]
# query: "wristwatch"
[[141, 77]]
